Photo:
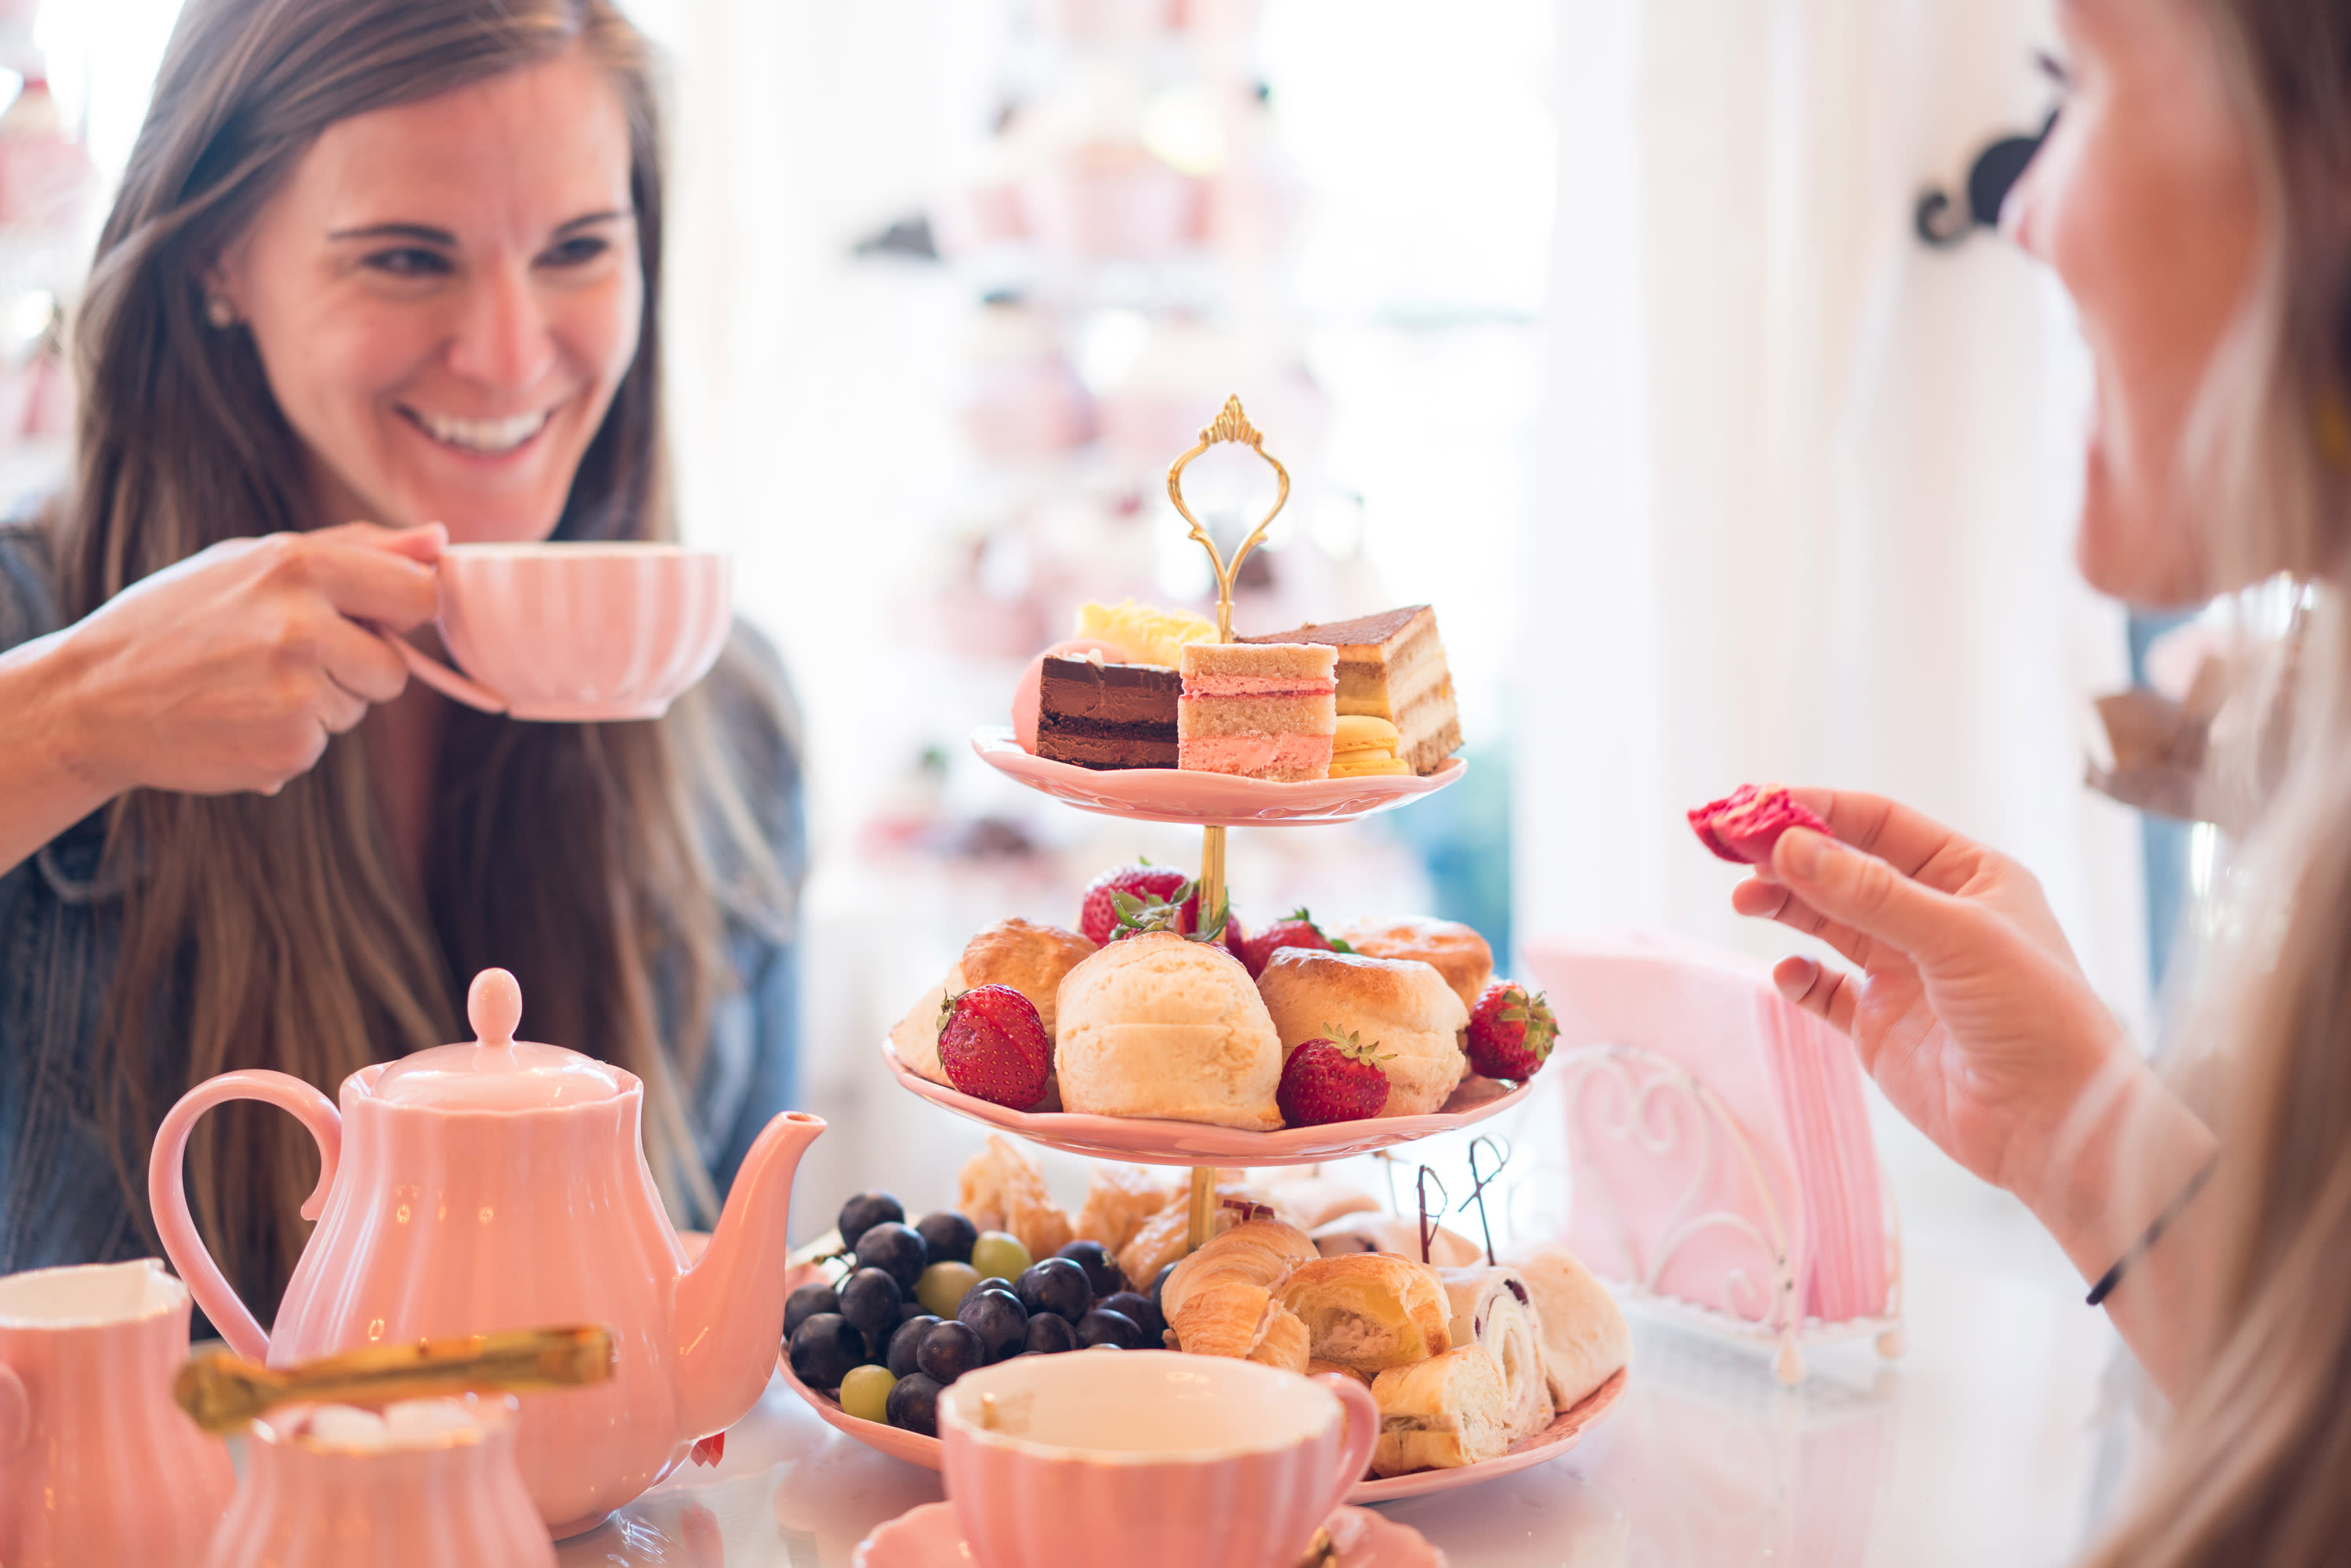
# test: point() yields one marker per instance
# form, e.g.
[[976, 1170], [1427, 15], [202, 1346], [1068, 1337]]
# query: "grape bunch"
[[922, 1304]]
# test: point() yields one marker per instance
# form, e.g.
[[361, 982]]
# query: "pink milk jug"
[[499, 1185]]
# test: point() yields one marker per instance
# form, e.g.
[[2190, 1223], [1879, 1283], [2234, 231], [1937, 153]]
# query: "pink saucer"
[[1207, 800], [1150, 1141], [1565, 1431], [926, 1537]]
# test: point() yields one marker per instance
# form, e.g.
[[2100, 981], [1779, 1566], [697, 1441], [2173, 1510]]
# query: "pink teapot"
[[499, 1185]]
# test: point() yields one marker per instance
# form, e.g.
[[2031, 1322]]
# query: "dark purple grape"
[[866, 1210], [824, 1349], [909, 1311], [950, 1350], [1103, 1272], [949, 1235], [869, 1299], [906, 1342], [1142, 1310], [1100, 1327], [1159, 1289], [806, 1302], [896, 1251], [1058, 1285], [1001, 1320], [992, 1282], [914, 1404], [1049, 1335]]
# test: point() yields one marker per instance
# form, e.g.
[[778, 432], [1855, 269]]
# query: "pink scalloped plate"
[[1147, 1140], [928, 1537], [1206, 799], [1564, 1432]]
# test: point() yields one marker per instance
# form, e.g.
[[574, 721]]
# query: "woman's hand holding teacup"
[[230, 669], [1974, 1017]]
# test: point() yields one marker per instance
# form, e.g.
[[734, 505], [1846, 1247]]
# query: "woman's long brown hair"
[[2254, 1466], [594, 861]]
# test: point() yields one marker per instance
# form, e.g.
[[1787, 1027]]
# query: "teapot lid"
[[497, 1071]]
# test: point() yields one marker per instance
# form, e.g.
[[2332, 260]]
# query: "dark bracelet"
[[2155, 1229]]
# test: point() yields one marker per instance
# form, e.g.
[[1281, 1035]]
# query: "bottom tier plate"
[[1564, 1432]]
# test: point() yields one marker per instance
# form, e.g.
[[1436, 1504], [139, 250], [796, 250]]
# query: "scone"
[[1028, 958], [1451, 949], [1160, 1026], [1441, 1414], [1585, 1338], [1405, 1005], [1370, 1312]]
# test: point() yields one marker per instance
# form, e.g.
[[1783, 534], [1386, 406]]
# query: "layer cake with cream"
[[1096, 713], [1258, 710], [1391, 666]]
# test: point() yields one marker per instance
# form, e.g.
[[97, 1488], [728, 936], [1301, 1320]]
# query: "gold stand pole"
[[1203, 1206], [1212, 898]]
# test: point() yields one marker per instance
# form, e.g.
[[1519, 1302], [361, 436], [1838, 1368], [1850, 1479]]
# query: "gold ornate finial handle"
[[1230, 424], [222, 1393]]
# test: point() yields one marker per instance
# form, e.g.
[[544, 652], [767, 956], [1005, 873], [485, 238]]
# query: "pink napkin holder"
[[1719, 1144]]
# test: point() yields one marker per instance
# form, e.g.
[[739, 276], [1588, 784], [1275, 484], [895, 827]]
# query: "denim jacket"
[[60, 930]]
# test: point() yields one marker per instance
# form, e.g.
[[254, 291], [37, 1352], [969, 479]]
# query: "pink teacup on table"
[[577, 632], [428, 1483], [1149, 1459], [97, 1464]]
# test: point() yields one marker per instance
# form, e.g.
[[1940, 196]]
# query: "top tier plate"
[[1204, 800]]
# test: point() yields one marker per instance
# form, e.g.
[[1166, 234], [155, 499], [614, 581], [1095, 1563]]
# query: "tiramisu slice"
[[1259, 710], [1391, 666]]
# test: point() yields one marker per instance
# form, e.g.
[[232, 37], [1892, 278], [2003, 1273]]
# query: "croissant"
[[1259, 1252], [1165, 1236], [1002, 1188], [1369, 1311], [1440, 1414], [1317, 1369], [1120, 1200], [1221, 1301], [1494, 1308]]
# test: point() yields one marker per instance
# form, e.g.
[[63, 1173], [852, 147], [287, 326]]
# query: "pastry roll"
[[1369, 1311], [1585, 1338], [1493, 1308], [1393, 1233], [1441, 1415], [1002, 1188], [1121, 1200]]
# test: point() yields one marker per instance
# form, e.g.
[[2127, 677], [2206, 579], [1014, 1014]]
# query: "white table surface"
[[1984, 1443]]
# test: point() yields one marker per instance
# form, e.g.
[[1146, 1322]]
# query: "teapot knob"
[[494, 1006]]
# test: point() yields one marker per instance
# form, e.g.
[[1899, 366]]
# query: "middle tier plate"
[[1150, 1141], [1206, 799]]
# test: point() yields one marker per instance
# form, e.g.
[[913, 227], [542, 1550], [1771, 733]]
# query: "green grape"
[[995, 1254], [865, 1393], [942, 1286]]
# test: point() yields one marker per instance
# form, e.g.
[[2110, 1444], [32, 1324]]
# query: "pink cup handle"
[[1362, 1436], [441, 678], [16, 1413], [168, 1196]]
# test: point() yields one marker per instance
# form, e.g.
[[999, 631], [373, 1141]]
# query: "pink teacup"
[[97, 1464], [428, 1484], [577, 632], [1149, 1459]]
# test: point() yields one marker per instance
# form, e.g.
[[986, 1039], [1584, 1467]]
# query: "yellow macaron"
[[1365, 747]]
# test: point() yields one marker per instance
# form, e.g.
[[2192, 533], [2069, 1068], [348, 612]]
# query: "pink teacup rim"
[[161, 1293], [1016, 1400]]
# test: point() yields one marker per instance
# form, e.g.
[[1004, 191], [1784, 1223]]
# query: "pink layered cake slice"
[[1260, 710]]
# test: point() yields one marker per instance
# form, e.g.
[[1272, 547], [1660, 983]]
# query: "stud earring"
[[219, 311]]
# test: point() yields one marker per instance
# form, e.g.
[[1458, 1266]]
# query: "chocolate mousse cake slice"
[[1391, 666], [1098, 714]]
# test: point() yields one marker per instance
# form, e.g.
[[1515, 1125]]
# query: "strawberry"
[[1236, 941], [1743, 826], [1337, 1079], [1098, 916], [993, 1046], [1177, 915], [1296, 930], [1511, 1033]]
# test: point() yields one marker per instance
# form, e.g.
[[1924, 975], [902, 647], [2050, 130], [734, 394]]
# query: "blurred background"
[[1606, 327]]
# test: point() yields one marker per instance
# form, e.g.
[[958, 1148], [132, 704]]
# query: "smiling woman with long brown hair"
[[383, 273]]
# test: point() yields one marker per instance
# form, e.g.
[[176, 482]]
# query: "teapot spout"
[[729, 1321]]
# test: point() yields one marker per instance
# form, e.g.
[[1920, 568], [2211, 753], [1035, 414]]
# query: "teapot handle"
[[167, 1193]]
